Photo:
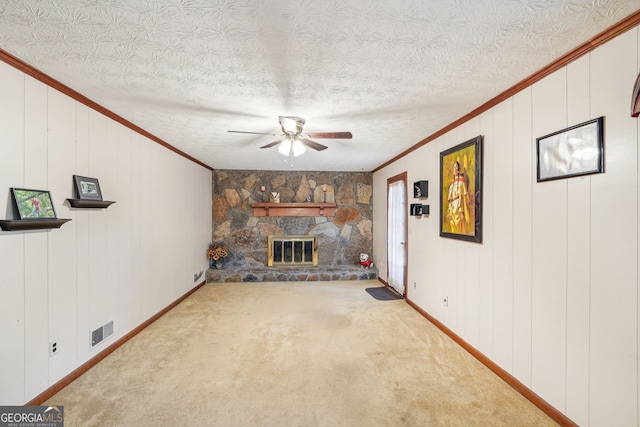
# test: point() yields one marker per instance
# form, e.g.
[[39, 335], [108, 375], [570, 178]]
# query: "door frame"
[[400, 177]]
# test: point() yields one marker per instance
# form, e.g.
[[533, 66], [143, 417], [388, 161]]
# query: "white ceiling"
[[392, 73]]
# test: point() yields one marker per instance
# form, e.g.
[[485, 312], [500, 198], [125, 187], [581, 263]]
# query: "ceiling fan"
[[293, 141]]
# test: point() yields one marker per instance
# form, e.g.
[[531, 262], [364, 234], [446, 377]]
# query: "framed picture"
[[461, 191], [33, 204], [87, 188], [575, 151], [415, 209], [420, 189]]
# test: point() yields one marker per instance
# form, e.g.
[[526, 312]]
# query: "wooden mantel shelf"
[[294, 209]]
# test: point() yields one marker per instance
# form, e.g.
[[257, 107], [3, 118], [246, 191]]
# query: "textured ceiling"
[[392, 73]]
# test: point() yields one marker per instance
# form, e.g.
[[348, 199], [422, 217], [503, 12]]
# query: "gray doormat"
[[383, 293]]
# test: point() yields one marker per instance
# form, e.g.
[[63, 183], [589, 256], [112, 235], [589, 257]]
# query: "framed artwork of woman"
[[461, 191]]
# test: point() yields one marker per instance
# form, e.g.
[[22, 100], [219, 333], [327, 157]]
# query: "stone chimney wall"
[[341, 238]]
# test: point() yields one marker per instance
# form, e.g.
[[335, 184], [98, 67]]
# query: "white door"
[[397, 232]]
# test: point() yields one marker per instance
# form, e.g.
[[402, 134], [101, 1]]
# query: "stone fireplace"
[[292, 251], [340, 233]]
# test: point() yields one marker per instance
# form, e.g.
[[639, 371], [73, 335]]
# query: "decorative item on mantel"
[[216, 253]]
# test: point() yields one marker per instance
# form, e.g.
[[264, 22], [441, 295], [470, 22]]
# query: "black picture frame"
[[33, 204], [421, 189], [575, 151], [461, 191], [87, 188]]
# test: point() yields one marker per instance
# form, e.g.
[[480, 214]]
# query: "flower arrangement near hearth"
[[216, 253]]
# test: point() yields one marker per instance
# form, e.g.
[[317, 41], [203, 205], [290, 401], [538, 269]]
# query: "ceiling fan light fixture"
[[298, 147], [285, 147], [293, 142], [292, 146]]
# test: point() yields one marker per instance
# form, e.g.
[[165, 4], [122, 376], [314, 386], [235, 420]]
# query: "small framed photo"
[[87, 188], [33, 204], [575, 151]]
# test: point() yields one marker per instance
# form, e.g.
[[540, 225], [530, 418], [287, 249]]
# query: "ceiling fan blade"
[[312, 144], [254, 133], [271, 144], [336, 135]]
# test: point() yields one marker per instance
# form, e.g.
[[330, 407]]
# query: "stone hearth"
[[289, 274]]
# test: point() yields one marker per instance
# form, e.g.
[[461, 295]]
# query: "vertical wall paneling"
[[122, 194], [501, 146], [423, 273], [186, 195], [425, 166], [153, 259], [471, 281], [12, 292], [442, 286], [98, 276], [453, 258], [637, 138], [523, 181], [81, 220], [146, 254], [484, 252], [61, 259], [549, 256], [134, 212], [35, 138], [112, 221], [35, 282], [578, 262], [637, 32], [614, 233]]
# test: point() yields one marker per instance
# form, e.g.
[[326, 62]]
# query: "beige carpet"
[[292, 354]]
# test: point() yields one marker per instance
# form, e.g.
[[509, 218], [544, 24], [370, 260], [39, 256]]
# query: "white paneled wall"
[[122, 264], [551, 295], [613, 378]]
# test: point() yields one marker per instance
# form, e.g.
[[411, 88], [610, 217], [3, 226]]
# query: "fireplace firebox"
[[292, 251]]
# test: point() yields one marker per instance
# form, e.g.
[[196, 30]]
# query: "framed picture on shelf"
[[461, 191], [87, 188], [33, 204], [575, 151]]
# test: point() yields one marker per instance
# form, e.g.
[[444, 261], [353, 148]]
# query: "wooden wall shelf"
[[81, 203], [31, 224], [294, 209]]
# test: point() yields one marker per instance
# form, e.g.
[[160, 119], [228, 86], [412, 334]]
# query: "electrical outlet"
[[414, 285], [53, 349], [445, 301]]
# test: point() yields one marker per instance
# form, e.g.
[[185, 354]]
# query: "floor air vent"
[[102, 333]]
